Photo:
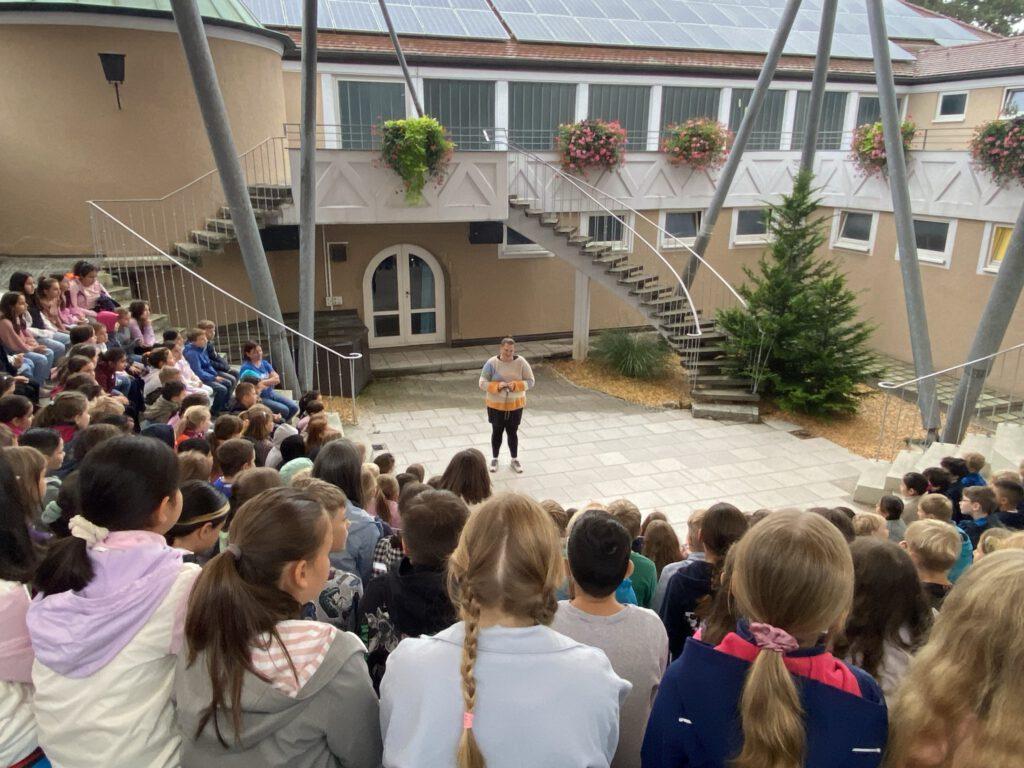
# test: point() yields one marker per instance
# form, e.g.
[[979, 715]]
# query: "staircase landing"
[[409, 361]]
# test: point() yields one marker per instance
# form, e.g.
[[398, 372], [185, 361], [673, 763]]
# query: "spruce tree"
[[799, 332]]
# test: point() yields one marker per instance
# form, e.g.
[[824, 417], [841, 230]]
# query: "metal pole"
[[896, 165], [307, 195], [215, 118], [828, 25], [401, 58], [771, 61], [995, 319]]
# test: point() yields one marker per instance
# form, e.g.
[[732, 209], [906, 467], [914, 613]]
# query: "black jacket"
[[684, 591]]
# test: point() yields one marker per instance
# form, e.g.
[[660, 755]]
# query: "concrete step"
[[704, 366], [934, 454], [334, 421], [665, 301], [120, 293], [1008, 447], [715, 380], [871, 485], [747, 414], [212, 240], [905, 461], [724, 395], [521, 203], [160, 322], [191, 251], [224, 212], [977, 443], [221, 225], [270, 191], [623, 268], [637, 279], [611, 257]]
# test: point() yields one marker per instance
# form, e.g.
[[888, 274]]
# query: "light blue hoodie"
[[363, 533]]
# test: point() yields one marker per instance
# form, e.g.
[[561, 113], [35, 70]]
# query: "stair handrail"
[[574, 182], [350, 358], [968, 364]]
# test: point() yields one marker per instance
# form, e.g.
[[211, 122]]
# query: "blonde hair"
[[991, 541], [371, 490], [1013, 541], [967, 673], [936, 506], [508, 558], [794, 571], [193, 416], [935, 544], [867, 523], [974, 461], [627, 513], [388, 485]]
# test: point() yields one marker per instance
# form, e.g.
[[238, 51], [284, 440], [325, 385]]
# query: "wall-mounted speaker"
[[486, 232], [338, 252]]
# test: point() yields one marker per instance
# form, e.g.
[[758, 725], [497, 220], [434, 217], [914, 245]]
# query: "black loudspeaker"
[[284, 237], [486, 232], [338, 252]]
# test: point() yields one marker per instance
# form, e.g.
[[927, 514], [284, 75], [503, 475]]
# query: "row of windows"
[[535, 110]]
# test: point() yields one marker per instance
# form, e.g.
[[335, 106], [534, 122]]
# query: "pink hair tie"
[[769, 638], [467, 721]]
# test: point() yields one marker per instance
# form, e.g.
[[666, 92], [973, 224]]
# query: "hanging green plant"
[[998, 147], [591, 144], [701, 143], [417, 150], [868, 150]]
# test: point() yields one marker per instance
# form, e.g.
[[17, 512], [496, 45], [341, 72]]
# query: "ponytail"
[[772, 717], [469, 754], [63, 409]]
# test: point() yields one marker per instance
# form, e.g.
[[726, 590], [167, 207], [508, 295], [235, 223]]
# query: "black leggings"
[[507, 422]]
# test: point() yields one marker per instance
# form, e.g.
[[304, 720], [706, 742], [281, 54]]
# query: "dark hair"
[[243, 388], [236, 600], [315, 407], [234, 454], [722, 526], [158, 357], [89, 438], [431, 524], [122, 483], [410, 492], [1013, 491], [194, 398], [339, 462], [120, 420], [417, 471], [170, 336], [193, 334], [404, 478], [889, 605], [63, 409], [113, 355], [136, 309], [983, 495], [7, 304], [43, 439], [172, 389], [292, 447], [83, 268], [17, 281], [661, 544], [956, 466], [599, 548], [84, 383], [248, 347], [252, 482], [80, 334], [839, 520], [466, 475], [69, 503], [307, 399], [385, 462], [14, 407], [201, 503], [18, 554], [891, 506], [651, 517], [198, 444], [938, 478], [916, 482]]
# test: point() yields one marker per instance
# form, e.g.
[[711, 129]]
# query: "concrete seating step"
[[1008, 447], [975, 442], [871, 485], [724, 394], [905, 461], [747, 414], [934, 454]]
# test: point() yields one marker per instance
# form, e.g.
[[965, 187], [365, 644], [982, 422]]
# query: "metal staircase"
[[550, 206]]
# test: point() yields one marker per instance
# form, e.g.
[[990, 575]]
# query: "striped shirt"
[[307, 643], [516, 373]]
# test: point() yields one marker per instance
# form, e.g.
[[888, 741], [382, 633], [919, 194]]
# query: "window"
[[767, 132], [681, 104], [364, 108], [995, 248], [465, 108], [870, 111], [1013, 102], [519, 246], [830, 129], [535, 110], [854, 230], [680, 228], [934, 240], [608, 229], [627, 104], [951, 107], [750, 226]]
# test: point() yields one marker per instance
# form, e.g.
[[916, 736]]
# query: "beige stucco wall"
[[292, 86], [65, 142], [983, 104]]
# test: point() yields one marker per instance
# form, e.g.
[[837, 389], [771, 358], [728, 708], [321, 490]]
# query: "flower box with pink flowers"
[[701, 143], [998, 147], [868, 150], [591, 144]]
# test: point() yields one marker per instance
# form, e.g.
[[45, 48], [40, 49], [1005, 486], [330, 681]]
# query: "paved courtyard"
[[578, 445]]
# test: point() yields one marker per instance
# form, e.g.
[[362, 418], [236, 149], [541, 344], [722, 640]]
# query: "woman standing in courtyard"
[[505, 379]]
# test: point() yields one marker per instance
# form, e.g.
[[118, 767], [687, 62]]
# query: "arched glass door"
[[403, 294]]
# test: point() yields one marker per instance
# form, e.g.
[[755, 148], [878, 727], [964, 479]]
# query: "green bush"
[[636, 355]]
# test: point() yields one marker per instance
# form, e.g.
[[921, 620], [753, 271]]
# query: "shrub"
[[636, 355], [998, 147], [417, 150], [700, 144], [591, 144], [868, 150]]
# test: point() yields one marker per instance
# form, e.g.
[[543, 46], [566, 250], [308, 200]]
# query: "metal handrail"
[[900, 385], [574, 182], [351, 358]]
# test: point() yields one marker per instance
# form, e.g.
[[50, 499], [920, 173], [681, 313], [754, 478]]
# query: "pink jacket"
[[15, 340]]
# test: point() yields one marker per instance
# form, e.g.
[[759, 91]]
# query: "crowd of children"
[[244, 591]]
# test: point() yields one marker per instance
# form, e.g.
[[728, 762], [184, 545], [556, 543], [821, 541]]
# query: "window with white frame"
[[609, 230], [679, 228], [750, 226], [869, 110], [363, 107], [995, 246], [934, 240], [951, 106], [516, 245], [854, 230], [1013, 102]]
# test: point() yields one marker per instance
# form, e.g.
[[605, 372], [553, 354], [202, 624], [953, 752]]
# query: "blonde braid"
[[469, 755]]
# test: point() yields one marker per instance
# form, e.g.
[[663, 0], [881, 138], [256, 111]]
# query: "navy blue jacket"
[[685, 589], [218, 362], [974, 528], [695, 723]]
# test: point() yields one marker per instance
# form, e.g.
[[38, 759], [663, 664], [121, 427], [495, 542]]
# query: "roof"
[[986, 59], [349, 46], [230, 12]]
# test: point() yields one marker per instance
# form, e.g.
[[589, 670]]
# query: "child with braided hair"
[[551, 701]]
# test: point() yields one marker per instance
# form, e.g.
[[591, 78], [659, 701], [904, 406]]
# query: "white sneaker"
[[494, 465], [517, 467]]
